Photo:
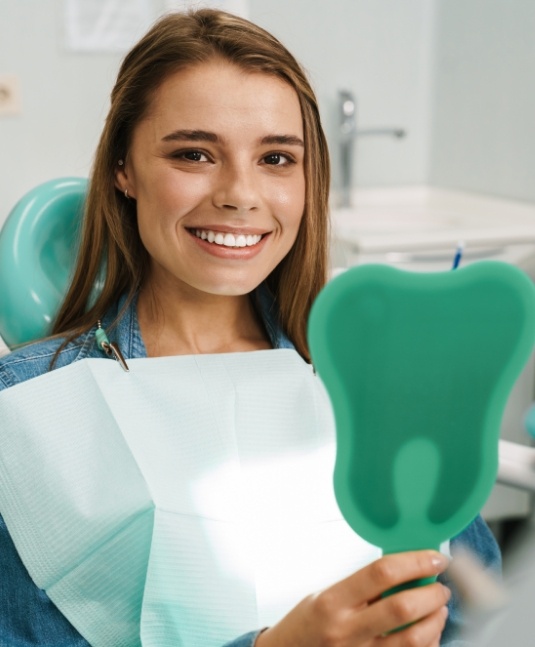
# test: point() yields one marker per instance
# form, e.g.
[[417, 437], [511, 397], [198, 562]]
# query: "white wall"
[[64, 99], [484, 97], [379, 49], [376, 48]]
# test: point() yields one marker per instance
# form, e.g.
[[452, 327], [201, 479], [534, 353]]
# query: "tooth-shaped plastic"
[[419, 368]]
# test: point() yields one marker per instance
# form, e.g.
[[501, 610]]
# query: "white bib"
[[181, 504]]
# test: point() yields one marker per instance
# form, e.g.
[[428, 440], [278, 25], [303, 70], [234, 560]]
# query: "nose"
[[236, 188]]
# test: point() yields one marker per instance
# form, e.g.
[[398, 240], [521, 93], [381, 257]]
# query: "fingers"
[[389, 571], [425, 633], [402, 609], [352, 611]]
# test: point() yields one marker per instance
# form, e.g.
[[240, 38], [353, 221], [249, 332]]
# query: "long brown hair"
[[110, 242]]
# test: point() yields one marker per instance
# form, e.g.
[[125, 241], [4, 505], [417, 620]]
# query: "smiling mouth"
[[227, 239]]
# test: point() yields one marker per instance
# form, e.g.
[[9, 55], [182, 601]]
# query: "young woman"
[[206, 226]]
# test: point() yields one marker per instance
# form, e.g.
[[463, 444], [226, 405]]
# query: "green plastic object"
[[38, 245], [418, 368]]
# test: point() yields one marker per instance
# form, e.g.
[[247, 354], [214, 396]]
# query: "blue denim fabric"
[[478, 539], [247, 640], [27, 616]]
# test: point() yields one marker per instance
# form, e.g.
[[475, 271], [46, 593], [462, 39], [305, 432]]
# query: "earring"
[[126, 193], [120, 162]]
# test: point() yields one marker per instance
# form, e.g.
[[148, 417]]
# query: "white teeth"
[[228, 239]]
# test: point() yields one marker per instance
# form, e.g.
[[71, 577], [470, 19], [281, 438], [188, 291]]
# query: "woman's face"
[[217, 172]]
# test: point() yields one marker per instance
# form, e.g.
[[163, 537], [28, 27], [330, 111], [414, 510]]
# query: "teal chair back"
[[38, 246]]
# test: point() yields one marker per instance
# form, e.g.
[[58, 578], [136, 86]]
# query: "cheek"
[[292, 204], [167, 191], [288, 198]]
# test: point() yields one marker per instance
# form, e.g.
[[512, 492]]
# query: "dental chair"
[[38, 246]]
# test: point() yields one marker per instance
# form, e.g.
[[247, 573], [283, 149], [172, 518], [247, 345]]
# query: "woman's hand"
[[352, 613]]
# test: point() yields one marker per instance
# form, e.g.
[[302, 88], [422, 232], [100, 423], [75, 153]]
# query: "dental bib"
[[181, 504]]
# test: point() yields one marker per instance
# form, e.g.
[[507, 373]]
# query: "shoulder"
[[36, 358]]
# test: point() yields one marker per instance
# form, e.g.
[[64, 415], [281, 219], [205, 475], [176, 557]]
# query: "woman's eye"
[[194, 156], [277, 159], [190, 156]]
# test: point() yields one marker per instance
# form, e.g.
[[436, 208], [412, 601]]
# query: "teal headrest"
[[38, 246]]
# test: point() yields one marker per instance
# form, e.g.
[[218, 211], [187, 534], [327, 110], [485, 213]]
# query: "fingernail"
[[447, 592], [440, 561], [444, 612]]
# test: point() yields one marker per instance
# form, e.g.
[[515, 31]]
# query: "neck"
[[185, 322]]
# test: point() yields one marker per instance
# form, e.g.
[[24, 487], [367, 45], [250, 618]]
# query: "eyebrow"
[[191, 135], [205, 136], [289, 140]]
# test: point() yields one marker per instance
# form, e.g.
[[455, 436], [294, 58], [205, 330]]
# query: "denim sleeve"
[[28, 617], [247, 640], [478, 539]]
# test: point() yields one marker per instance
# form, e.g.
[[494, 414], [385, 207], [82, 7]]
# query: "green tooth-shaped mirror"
[[419, 368]]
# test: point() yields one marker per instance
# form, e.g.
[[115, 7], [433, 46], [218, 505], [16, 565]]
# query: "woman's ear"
[[121, 178]]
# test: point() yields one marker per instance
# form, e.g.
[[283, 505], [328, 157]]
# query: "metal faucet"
[[348, 133]]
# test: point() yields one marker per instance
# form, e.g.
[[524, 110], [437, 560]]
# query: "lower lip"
[[232, 253]]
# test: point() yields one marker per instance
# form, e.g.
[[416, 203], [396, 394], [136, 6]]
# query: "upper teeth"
[[228, 240]]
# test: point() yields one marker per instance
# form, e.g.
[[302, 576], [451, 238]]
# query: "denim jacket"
[[28, 618]]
